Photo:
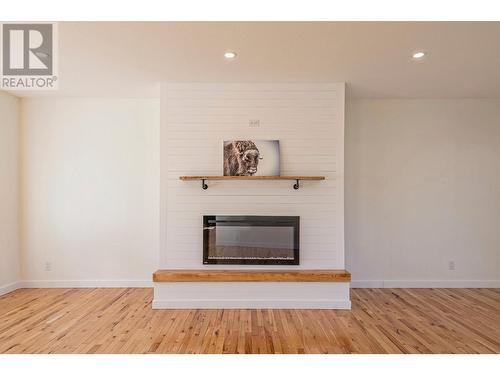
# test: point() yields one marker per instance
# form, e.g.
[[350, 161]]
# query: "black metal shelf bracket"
[[204, 185]]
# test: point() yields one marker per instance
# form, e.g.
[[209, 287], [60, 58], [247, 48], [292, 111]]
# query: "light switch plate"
[[254, 123]]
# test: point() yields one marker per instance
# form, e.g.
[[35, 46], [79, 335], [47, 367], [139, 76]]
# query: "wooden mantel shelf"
[[207, 178], [187, 178], [251, 276]]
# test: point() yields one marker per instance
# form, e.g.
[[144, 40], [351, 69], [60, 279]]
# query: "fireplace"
[[270, 240]]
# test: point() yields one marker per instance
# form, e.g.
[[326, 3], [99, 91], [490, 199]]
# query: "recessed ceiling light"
[[229, 55], [418, 55]]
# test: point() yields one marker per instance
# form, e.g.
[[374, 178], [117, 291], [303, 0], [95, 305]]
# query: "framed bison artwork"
[[251, 158]]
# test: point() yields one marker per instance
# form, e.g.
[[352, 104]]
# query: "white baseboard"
[[251, 304], [4, 289], [87, 284], [425, 284]]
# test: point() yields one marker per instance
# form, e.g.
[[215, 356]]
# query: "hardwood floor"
[[122, 321]]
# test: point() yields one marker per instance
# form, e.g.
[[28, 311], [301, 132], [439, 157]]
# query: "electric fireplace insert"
[[271, 240]]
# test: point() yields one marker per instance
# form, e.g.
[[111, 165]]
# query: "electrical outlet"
[[451, 265], [48, 266], [254, 123]]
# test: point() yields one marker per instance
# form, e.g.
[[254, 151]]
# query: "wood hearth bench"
[[331, 276], [324, 289]]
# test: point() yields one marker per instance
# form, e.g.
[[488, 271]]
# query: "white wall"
[[9, 139], [422, 185], [90, 191], [308, 119], [422, 189]]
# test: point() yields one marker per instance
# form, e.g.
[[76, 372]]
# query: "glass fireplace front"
[[251, 240]]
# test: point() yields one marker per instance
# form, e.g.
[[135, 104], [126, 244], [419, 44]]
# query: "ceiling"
[[128, 59]]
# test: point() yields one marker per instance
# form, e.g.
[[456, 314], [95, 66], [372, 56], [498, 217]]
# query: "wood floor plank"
[[122, 321]]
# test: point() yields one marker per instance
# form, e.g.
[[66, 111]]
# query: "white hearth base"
[[251, 295]]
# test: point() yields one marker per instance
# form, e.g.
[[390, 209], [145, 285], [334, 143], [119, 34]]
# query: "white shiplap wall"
[[308, 119]]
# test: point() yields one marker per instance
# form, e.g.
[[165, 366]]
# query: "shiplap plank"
[[249, 103], [260, 88], [241, 119], [245, 94]]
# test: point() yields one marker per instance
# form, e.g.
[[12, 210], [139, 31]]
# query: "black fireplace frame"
[[250, 220]]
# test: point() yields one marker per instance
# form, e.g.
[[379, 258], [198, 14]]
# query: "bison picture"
[[251, 158], [241, 158]]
